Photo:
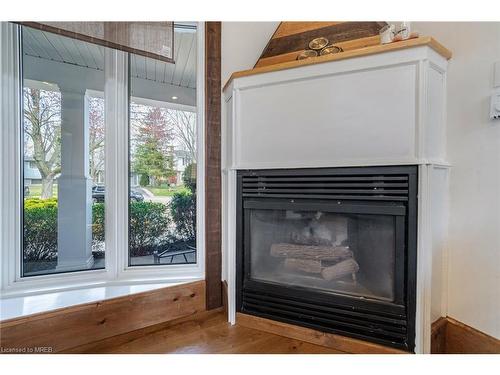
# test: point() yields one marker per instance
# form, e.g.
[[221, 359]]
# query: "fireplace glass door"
[[342, 248]]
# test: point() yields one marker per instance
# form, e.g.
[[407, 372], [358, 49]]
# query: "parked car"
[[98, 193]]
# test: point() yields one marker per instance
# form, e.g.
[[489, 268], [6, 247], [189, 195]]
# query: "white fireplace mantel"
[[383, 107]]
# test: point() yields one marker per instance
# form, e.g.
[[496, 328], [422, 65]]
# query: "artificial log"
[[330, 253], [341, 269], [303, 265]]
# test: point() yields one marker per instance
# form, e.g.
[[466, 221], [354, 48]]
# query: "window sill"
[[16, 307]]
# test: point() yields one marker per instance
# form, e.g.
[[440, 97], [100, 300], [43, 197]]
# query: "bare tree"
[[96, 137], [184, 126], [42, 119]]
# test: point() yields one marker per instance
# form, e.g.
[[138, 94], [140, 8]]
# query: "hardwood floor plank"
[[205, 333]]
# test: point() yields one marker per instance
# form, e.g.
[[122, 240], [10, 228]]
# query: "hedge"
[[148, 227], [151, 225], [40, 232], [183, 211]]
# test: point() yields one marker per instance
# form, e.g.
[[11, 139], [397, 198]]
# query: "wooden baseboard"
[[78, 325], [330, 340], [449, 336], [108, 344]]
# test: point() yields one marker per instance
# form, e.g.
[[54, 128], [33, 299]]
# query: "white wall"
[[241, 46], [474, 151]]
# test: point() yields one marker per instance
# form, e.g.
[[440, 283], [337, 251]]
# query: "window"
[[105, 189], [162, 198], [63, 147]]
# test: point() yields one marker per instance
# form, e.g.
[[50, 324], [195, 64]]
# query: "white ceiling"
[[45, 45]]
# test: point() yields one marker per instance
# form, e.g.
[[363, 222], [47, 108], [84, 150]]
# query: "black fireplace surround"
[[333, 249]]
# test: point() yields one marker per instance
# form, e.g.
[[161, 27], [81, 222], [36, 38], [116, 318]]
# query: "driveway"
[[150, 197]]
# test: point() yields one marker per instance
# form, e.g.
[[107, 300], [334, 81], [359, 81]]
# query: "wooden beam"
[[213, 252], [77, 325], [330, 340]]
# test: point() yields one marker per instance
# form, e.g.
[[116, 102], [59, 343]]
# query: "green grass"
[[36, 190], [164, 191]]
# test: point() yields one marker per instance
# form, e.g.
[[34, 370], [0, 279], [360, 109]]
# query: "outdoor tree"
[[183, 124], [96, 137], [153, 155], [42, 118]]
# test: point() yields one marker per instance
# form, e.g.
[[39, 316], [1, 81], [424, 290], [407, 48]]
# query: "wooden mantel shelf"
[[371, 50]]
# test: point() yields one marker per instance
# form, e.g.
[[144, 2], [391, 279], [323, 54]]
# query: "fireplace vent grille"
[[345, 187], [383, 328]]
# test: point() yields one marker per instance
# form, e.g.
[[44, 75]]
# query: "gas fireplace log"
[[341, 269], [304, 265], [331, 253]]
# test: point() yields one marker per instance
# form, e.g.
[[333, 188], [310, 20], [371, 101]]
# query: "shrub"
[[98, 220], [40, 228], [148, 227], [189, 177], [40, 203], [183, 211], [40, 232]]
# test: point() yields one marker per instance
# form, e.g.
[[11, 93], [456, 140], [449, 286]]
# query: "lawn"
[[165, 191], [36, 190]]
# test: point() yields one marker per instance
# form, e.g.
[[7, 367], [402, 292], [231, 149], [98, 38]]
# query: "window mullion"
[[116, 179], [10, 101]]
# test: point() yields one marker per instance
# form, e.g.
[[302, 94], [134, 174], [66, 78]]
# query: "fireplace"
[[332, 249]]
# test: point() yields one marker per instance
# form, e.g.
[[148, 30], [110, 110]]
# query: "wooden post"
[[213, 199]]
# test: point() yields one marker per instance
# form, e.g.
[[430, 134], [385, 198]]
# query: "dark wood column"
[[213, 194]]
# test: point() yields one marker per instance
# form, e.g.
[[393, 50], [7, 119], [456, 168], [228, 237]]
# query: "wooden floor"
[[207, 333]]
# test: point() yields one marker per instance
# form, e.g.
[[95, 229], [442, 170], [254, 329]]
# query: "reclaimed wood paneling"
[[329, 340], [337, 32], [296, 27], [213, 198], [78, 325]]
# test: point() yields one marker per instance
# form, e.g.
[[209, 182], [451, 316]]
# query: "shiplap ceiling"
[[54, 47]]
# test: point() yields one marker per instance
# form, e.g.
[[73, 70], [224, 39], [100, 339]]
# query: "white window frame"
[[117, 271]]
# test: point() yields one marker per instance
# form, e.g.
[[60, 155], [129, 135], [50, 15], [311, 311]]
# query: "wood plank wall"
[[213, 196], [73, 326], [291, 38]]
